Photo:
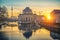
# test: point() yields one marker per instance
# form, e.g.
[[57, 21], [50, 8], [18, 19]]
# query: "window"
[[26, 18]]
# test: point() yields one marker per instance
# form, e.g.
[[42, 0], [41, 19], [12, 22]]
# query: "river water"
[[13, 32]]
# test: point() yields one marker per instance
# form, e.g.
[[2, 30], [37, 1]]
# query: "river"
[[12, 32]]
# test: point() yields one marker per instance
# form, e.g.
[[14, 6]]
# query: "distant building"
[[55, 16], [28, 17]]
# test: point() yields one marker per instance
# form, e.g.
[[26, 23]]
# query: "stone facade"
[[55, 16], [27, 16]]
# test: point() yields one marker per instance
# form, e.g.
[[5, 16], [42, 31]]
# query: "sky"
[[36, 5]]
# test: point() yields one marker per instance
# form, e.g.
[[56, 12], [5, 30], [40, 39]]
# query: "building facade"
[[55, 16], [27, 16]]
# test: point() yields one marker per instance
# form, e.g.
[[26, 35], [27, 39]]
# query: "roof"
[[56, 11], [27, 10]]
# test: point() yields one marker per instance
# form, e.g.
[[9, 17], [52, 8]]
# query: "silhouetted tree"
[[3, 11]]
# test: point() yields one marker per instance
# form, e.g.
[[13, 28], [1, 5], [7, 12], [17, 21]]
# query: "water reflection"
[[33, 32], [3, 36], [54, 30], [55, 35], [0, 26], [52, 27], [28, 29], [26, 32]]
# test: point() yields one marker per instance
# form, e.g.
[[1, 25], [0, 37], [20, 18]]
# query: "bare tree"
[[3, 11]]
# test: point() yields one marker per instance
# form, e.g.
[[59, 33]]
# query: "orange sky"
[[36, 10], [44, 6]]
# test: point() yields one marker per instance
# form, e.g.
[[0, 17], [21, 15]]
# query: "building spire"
[[12, 11]]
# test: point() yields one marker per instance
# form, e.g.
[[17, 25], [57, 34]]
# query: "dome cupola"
[[27, 10]]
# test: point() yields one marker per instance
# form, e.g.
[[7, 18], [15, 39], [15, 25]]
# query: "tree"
[[3, 11]]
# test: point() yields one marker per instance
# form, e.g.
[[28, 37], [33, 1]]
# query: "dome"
[[27, 10]]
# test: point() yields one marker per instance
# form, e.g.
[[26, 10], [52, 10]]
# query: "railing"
[[25, 22]]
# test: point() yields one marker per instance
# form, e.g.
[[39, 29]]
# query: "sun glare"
[[49, 17]]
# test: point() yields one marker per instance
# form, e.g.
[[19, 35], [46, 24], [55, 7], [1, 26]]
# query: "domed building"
[[27, 10], [27, 17]]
